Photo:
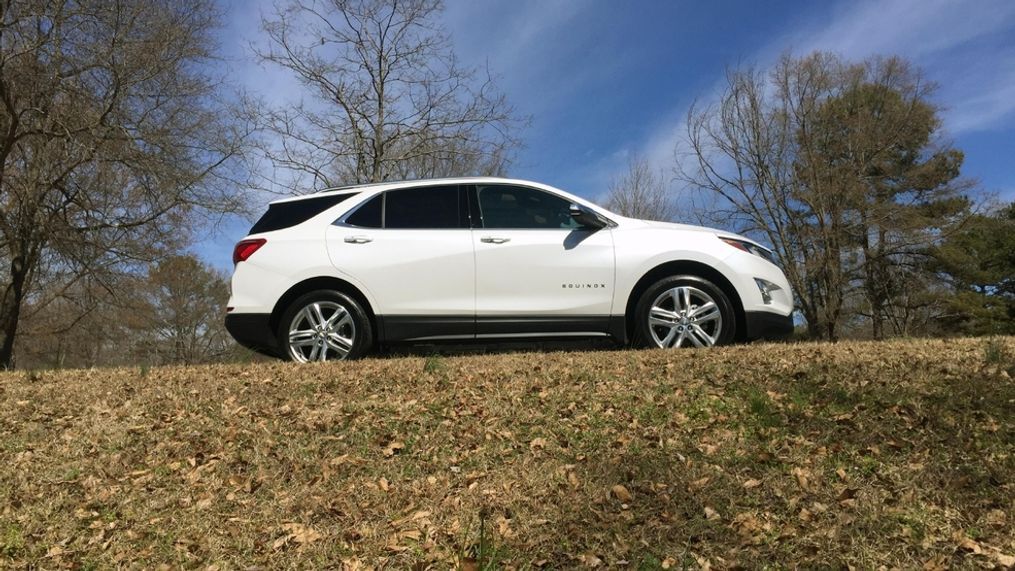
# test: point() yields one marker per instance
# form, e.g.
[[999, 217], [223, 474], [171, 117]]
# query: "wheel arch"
[[692, 268], [326, 283]]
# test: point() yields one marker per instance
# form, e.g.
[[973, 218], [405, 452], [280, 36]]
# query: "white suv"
[[332, 274]]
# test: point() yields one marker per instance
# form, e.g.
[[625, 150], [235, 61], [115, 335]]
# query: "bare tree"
[[173, 315], [641, 193], [385, 97], [835, 165], [111, 139], [743, 149], [79, 323], [184, 307]]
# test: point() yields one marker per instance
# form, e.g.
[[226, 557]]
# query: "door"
[[537, 272], [412, 249]]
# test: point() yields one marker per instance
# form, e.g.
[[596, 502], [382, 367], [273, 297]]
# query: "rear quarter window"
[[287, 214], [369, 215]]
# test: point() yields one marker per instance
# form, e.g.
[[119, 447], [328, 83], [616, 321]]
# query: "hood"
[[651, 224]]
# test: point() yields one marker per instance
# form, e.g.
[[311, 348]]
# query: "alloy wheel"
[[321, 331], [685, 316]]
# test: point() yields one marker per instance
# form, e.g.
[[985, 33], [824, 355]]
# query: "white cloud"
[[965, 47], [538, 50], [981, 96], [913, 28]]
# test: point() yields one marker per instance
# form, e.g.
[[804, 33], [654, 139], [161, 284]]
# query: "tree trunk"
[[830, 330], [10, 310]]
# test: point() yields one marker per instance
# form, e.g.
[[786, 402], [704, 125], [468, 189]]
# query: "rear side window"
[[429, 207], [287, 214]]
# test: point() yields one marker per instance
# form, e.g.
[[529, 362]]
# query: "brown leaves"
[[966, 545], [620, 492], [996, 518], [572, 479], [846, 497], [392, 448], [804, 479], [698, 484], [1004, 560], [751, 529], [296, 533], [556, 458]]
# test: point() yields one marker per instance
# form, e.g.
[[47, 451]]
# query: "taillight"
[[245, 248]]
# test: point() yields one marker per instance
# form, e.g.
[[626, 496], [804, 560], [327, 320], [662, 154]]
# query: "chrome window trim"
[[341, 221]]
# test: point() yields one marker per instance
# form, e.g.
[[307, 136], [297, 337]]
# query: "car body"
[[486, 258]]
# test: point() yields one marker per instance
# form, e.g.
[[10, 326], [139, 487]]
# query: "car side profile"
[[333, 274]]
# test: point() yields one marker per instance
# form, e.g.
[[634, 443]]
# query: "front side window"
[[426, 207], [505, 206]]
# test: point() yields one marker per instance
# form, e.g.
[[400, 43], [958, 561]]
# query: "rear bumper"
[[253, 331], [765, 325]]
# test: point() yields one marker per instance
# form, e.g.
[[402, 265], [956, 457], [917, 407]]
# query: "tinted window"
[[286, 214], [368, 215], [521, 207], [424, 207]]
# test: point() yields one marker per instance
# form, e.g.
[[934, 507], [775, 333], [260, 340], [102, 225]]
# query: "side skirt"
[[409, 328]]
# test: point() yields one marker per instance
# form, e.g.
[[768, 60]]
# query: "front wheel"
[[324, 326], [684, 311]]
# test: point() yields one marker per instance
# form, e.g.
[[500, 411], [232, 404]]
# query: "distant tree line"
[[119, 146], [172, 314]]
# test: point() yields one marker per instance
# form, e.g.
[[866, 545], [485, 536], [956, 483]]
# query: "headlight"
[[751, 248]]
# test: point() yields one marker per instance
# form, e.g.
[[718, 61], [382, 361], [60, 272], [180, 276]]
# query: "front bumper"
[[253, 331], [766, 325]]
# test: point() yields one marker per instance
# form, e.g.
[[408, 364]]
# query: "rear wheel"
[[684, 311], [324, 326]]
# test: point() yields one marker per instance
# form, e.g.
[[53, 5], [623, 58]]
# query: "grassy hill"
[[855, 454]]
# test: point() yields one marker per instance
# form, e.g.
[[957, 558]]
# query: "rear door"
[[537, 272], [412, 249]]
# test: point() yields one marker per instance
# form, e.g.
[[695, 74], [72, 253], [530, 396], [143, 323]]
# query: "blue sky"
[[602, 80]]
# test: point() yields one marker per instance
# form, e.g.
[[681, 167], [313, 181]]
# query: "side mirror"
[[586, 218]]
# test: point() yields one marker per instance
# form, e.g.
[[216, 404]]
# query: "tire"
[[663, 320], [349, 336]]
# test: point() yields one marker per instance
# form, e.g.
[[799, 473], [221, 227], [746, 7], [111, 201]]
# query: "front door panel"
[[537, 270], [548, 279]]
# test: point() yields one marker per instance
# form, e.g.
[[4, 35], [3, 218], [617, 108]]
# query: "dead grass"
[[857, 454]]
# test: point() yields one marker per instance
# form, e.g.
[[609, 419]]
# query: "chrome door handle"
[[493, 240], [358, 239]]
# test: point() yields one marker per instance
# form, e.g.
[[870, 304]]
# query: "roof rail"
[[408, 180]]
